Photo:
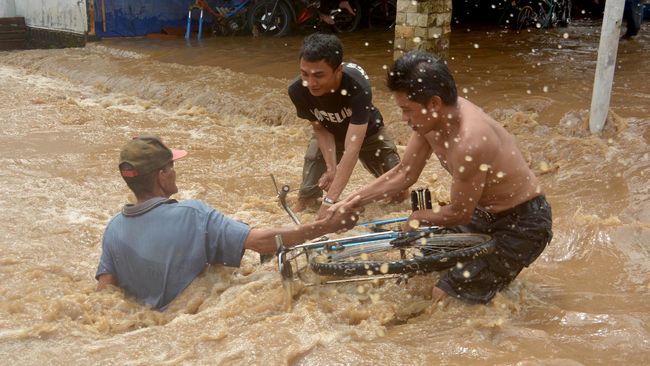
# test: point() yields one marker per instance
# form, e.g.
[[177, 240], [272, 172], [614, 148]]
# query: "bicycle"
[[380, 255], [537, 13]]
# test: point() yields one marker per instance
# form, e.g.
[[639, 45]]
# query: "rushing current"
[[64, 115]]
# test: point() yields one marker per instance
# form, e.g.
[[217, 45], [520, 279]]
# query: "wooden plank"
[[19, 21], [13, 44], [9, 27], [12, 29], [606, 64], [12, 26], [11, 36], [91, 17], [13, 33]]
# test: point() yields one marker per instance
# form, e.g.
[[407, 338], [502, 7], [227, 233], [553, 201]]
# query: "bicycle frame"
[[538, 14], [224, 14], [288, 257]]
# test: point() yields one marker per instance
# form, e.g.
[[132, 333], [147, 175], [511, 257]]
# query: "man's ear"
[[159, 178], [339, 69], [434, 104]]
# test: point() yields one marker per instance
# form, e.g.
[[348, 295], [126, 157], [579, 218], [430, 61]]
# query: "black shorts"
[[521, 235]]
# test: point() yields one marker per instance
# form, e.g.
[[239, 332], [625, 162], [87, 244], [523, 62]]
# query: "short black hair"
[[319, 46], [421, 75]]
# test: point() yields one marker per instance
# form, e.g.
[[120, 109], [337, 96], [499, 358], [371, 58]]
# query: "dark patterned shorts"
[[521, 234]]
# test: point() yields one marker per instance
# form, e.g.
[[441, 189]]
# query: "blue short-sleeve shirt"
[[155, 249]]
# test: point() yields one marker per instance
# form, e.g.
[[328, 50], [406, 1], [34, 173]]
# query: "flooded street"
[[64, 114]]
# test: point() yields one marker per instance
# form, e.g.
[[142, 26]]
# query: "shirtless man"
[[493, 190]]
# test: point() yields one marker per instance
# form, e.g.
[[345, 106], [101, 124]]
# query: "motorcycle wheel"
[[345, 22], [382, 14], [271, 18]]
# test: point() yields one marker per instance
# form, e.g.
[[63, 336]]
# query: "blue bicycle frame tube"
[[361, 239], [383, 222]]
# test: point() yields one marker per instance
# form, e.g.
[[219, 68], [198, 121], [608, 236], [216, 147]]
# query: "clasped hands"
[[345, 216], [415, 220]]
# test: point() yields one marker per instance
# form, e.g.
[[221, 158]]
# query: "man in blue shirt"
[[155, 248]]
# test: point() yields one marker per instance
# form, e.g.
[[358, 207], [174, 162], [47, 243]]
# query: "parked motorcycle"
[[277, 17]]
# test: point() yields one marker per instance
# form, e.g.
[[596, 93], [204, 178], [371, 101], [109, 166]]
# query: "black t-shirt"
[[351, 103]]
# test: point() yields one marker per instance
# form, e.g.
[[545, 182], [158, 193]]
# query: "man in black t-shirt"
[[336, 98]]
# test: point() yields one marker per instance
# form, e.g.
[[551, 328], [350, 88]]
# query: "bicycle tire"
[[345, 22], [264, 21], [526, 17], [382, 14], [436, 253]]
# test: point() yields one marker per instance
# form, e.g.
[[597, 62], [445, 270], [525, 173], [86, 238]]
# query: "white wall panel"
[[7, 8], [63, 15]]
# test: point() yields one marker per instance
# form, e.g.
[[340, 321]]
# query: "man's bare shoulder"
[[477, 139]]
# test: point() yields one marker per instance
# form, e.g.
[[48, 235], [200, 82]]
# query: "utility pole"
[[606, 64]]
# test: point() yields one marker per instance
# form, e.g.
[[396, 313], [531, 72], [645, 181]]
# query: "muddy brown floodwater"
[[65, 113]]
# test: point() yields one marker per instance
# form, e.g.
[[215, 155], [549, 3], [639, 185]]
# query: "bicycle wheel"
[[345, 22], [382, 14], [263, 20], [527, 17], [436, 253]]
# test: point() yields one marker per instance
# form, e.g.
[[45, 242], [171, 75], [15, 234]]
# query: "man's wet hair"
[[319, 46], [421, 75]]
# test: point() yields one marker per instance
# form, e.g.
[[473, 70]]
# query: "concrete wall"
[[57, 15], [7, 8]]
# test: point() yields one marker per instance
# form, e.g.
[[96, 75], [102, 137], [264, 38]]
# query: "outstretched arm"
[[468, 180], [396, 180], [263, 240]]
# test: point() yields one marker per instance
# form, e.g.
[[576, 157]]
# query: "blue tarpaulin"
[[130, 18]]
